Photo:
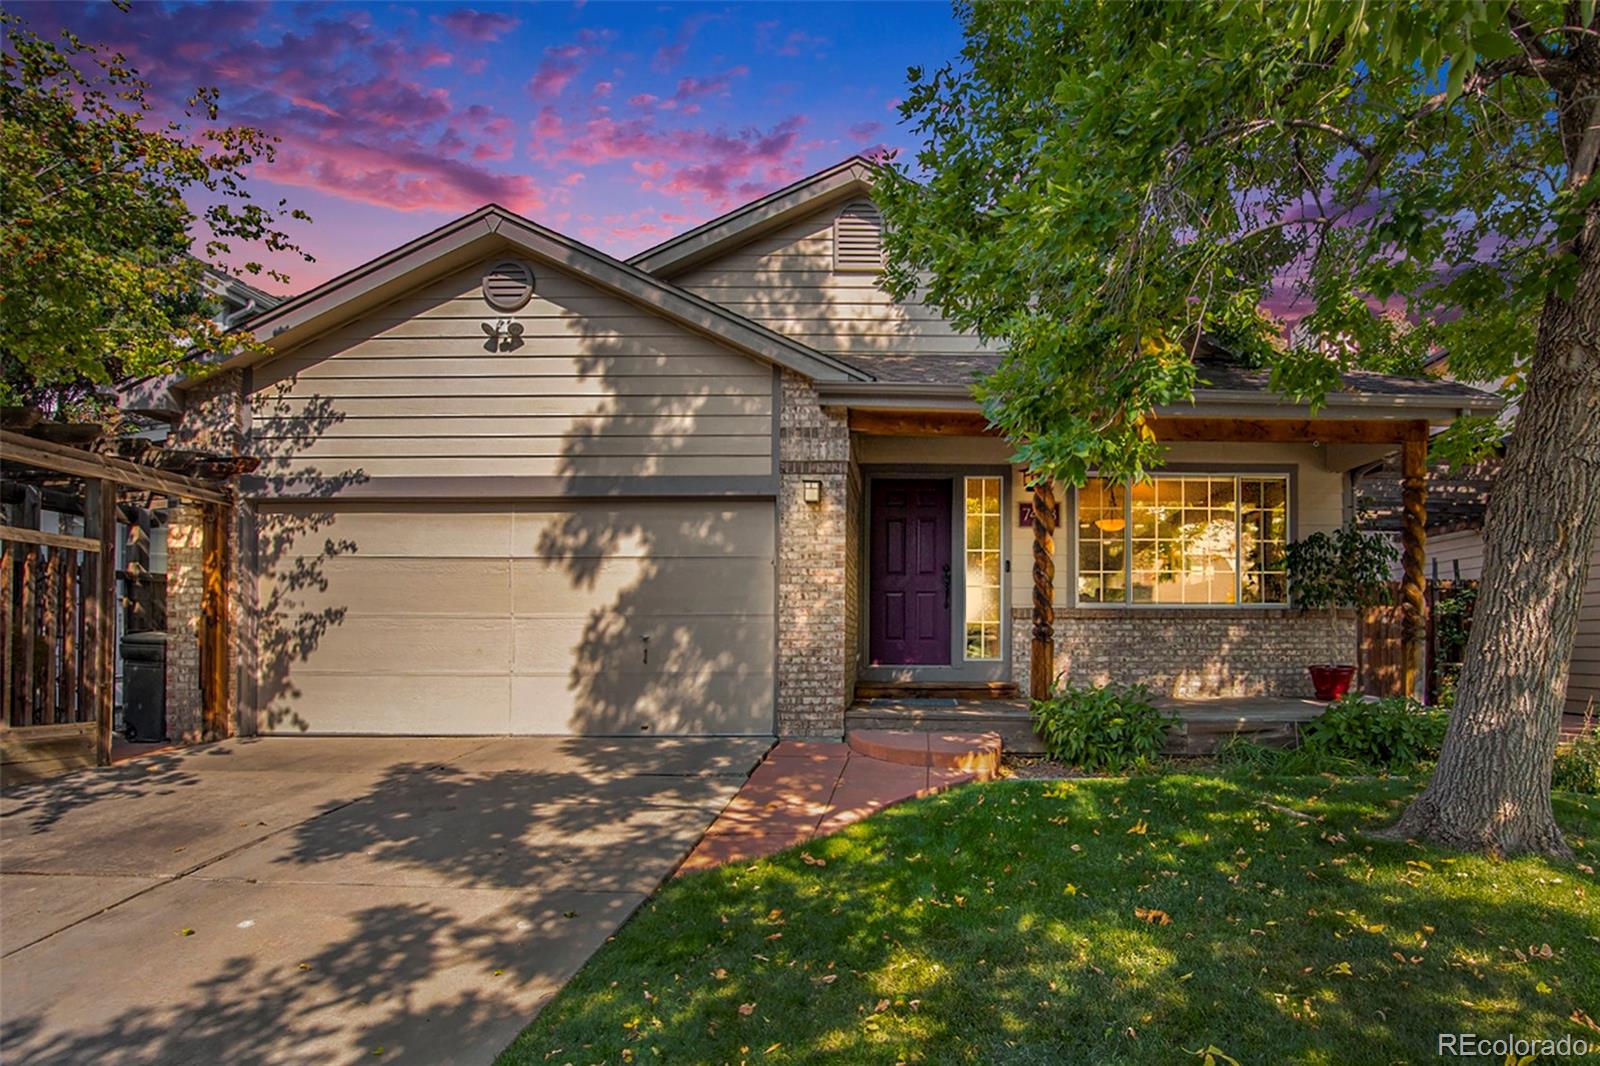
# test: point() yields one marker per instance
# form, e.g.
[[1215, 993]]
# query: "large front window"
[[1183, 539]]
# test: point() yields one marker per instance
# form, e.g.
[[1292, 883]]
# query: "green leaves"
[[97, 281], [1101, 729], [1347, 568], [1100, 183]]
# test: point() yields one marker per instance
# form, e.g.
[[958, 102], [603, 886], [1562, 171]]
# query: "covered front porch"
[[1177, 583]]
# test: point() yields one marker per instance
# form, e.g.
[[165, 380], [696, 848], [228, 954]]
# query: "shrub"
[[1252, 758], [1577, 766], [1391, 734], [1112, 728]]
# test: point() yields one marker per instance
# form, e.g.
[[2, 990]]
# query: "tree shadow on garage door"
[[292, 551], [678, 636]]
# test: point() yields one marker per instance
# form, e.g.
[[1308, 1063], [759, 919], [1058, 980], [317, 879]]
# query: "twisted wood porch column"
[[1413, 586], [1041, 664]]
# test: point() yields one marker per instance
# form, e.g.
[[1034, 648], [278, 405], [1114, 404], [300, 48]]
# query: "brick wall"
[[185, 529], [814, 445], [215, 418], [1191, 651]]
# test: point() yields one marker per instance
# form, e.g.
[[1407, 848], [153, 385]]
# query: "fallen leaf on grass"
[[1139, 828], [882, 1006], [811, 860], [1153, 916], [747, 1009]]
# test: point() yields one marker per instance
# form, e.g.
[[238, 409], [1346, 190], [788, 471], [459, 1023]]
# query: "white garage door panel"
[[451, 618], [387, 531], [629, 702], [648, 530], [685, 644], [361, 585], [689, 586], [459, 705]]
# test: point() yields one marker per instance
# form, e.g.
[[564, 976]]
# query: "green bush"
[[1577, 766], [1094, 729], [1390, 734], [1251, 758]]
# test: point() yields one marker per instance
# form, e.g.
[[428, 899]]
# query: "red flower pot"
[[1331, 681]]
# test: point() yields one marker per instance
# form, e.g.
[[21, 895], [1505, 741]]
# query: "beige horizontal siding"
[[594, 387], [786, 281]]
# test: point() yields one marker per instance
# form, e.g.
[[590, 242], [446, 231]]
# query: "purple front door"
[[910, 581]]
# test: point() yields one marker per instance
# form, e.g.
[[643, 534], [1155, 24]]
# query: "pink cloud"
[[668, 56], [715, 167], [564, 62], [798, 42], [477, 25], [864, 131], [601, 90]]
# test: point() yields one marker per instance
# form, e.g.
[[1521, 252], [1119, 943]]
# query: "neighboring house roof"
[[852, 177], [478, 234], [241, 301]]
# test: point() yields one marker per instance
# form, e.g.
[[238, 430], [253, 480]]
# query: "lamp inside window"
[[1112, 522]]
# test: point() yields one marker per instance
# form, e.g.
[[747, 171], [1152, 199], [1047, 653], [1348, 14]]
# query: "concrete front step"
[[975, 753]]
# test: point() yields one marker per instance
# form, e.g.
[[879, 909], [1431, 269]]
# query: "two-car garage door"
[[604, 618]]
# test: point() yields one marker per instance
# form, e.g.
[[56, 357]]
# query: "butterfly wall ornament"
[[505, 335]]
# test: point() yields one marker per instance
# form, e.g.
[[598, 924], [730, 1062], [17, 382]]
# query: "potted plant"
[[1347, 569]]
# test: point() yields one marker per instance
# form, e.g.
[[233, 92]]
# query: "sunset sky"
[[620, 124]]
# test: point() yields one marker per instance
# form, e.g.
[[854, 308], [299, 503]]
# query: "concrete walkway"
[[808, 788], [332, 900]]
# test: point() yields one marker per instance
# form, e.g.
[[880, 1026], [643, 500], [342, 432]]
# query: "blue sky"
[[618, 123]]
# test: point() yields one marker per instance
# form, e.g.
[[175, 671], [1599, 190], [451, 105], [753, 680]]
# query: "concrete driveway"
[[334, 899]]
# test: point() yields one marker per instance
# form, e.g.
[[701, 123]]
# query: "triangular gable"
[[481, 233], [848, 179]]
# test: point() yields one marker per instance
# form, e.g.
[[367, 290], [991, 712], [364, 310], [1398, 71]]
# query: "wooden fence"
[[58, 610], [1383, 646]]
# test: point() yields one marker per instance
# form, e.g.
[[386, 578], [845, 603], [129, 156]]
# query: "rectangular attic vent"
[[858, 238]]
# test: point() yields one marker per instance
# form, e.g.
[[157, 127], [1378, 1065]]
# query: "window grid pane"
[[1102, 573], [983, 568], [1186, 539]]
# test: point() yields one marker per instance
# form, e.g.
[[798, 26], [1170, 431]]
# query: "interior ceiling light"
[[1111, 525]]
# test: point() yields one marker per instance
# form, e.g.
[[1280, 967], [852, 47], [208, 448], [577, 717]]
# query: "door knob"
[[947, 586]]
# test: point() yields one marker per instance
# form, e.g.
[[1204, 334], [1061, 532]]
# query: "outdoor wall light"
[[811, 491]]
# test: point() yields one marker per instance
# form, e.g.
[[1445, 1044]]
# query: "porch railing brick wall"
[[1191, 652], [813, 564], [216, 419]]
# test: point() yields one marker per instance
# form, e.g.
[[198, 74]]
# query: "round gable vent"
[[508, 285]]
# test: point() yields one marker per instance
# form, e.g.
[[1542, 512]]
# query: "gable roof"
[[840, 182], [492, 227]]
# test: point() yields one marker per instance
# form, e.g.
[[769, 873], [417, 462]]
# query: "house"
[[510, 484]]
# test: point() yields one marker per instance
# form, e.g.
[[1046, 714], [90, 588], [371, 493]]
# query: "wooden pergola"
[[1410, 435], [58, 604]]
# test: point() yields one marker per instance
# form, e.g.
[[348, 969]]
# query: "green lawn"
[[1002, 923]]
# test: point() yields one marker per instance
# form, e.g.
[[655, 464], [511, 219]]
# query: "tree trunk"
[[1491, 789]]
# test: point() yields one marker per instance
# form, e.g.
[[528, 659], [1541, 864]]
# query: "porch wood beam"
[[1041, 661], [27, 451], [103, 512], [1413, 557], [920, 423], [214, 648], [1287, 430]]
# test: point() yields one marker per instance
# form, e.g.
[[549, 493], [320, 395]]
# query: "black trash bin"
[[144, 686]]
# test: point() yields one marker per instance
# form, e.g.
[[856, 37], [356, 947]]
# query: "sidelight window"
[[983, 567]]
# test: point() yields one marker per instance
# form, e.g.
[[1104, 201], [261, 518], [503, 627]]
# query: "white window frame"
[[999, 551], [1128, 602]]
